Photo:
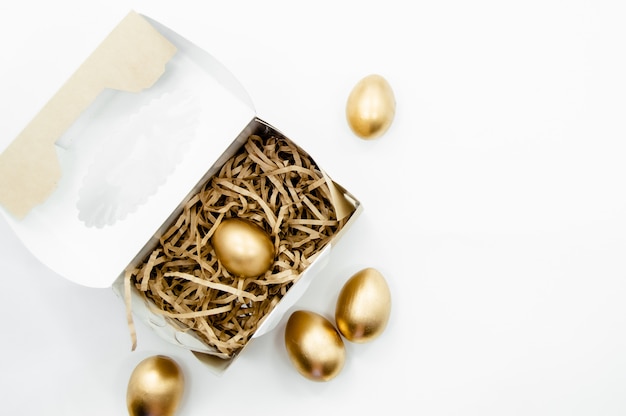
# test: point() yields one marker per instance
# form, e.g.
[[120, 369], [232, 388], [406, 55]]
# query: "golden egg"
[[155, 387], [363, 306], [371, 107], [314, 346], [243, 248]]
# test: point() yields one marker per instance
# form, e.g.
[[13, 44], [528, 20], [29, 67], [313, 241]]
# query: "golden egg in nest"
[[363, 306], [243, 248], [155, 387], [314, 346], [371, 107]]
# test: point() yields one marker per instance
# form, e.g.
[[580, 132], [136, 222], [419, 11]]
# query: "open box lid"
[[107, 160]]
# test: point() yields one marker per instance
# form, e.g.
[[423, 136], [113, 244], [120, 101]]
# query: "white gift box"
[[103, 169]]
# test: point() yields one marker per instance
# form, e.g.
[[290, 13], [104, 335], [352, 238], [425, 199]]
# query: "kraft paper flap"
[[131, 58]]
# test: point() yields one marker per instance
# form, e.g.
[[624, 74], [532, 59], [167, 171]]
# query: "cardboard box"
[[108, 163]]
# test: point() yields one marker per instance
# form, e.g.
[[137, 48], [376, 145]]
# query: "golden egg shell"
[[155, 387], [243, 248], [371, 107], [314, 346], [363, 306]]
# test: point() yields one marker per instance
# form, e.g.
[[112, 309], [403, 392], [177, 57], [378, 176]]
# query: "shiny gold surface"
[[363, 306], [371, 107], [243, 248], [155, 387], [314, 346]]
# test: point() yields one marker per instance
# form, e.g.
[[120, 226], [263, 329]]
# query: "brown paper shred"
[[271, 182], [129, 315], [146, 272]]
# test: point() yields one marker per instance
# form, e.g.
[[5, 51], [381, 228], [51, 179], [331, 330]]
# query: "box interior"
[[178, 335]]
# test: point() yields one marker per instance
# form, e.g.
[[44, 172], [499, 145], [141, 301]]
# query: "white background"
[[495, 206]]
